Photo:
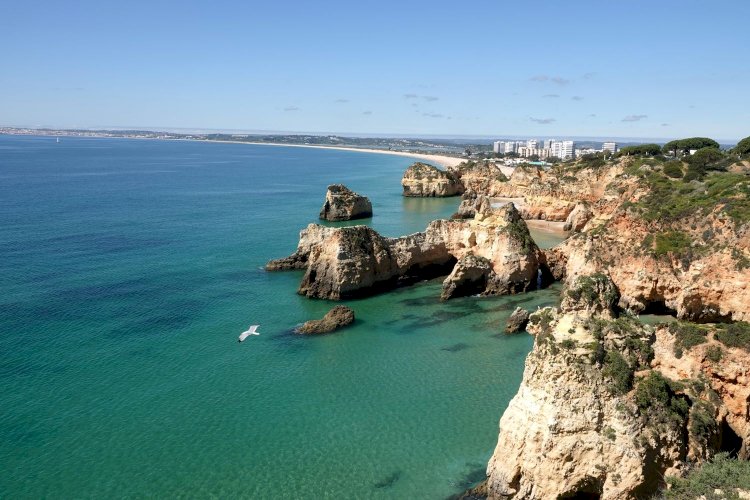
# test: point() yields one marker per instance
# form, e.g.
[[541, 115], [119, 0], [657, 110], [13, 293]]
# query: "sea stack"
[[344, 204], [423, 180]]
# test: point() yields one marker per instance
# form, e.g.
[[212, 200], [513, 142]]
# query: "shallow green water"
[[130, 267]]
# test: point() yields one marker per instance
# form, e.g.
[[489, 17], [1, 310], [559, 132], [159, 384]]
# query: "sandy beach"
[[555, 227], [444, 161]]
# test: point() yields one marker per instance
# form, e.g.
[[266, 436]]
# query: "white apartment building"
[[532, 144], [498, 147], [610, 146], [567, 149], [510, 147]]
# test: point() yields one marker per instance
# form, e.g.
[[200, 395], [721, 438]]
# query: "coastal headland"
[[609, 407]]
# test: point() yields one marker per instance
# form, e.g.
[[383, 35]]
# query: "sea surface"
[[129, 267]]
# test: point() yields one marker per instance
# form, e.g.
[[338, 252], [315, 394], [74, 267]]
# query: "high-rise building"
[[548, 143], [567, 149], [510, 147], [498, 147], [610, 146], [532, 143]]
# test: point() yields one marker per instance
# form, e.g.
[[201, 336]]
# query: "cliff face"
[[724, 369], [553, 194], [692, 272], [479, 177], [344, 204], [600, 411], [424, 180], [352, 261], [668, 245]]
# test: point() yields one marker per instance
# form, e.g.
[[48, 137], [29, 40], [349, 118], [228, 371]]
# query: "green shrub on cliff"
[[669, 200], [687, 335], [587, 289], [673, 168], [618, 371], [722, 473], [734, 335], [657, 400], [674, 242]]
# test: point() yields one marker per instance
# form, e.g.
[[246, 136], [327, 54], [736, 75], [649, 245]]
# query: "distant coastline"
[[439, 159], [444, 161]]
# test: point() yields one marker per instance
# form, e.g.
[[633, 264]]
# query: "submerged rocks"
[[344, 204], [517, 321], [336, 318], [423, 180]]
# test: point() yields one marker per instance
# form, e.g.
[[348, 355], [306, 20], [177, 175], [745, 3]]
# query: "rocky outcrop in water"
[[423, 180], [336, 318], [517, 321], [355, 261], [344, 204], [470, 276]]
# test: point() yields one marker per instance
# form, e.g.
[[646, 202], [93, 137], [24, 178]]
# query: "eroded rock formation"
[[517, 321], [470, 275], [334, 319], [471, 204], [344, 204], [578, 217], [479, 177], [354, 261], [600, 412], [554, 194], [669, 246], [425, 180]]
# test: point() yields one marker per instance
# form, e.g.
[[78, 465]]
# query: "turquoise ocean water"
[[128, 268]]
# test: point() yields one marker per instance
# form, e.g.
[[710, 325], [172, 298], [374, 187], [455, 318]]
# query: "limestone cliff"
[[578, 217], [668, 245], [344, 204], [553, 194], [600, 412], [471, 204], [354, 261], [479, 177], [425, 180]]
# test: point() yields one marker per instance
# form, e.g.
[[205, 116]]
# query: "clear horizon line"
[[379, 135]]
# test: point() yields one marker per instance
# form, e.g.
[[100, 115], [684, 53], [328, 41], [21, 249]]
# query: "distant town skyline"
[[653, 70]]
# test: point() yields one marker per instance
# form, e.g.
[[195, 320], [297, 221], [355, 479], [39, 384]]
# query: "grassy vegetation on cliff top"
[[670, 200]]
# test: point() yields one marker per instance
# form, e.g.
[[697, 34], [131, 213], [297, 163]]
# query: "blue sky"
[[662, 69]]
